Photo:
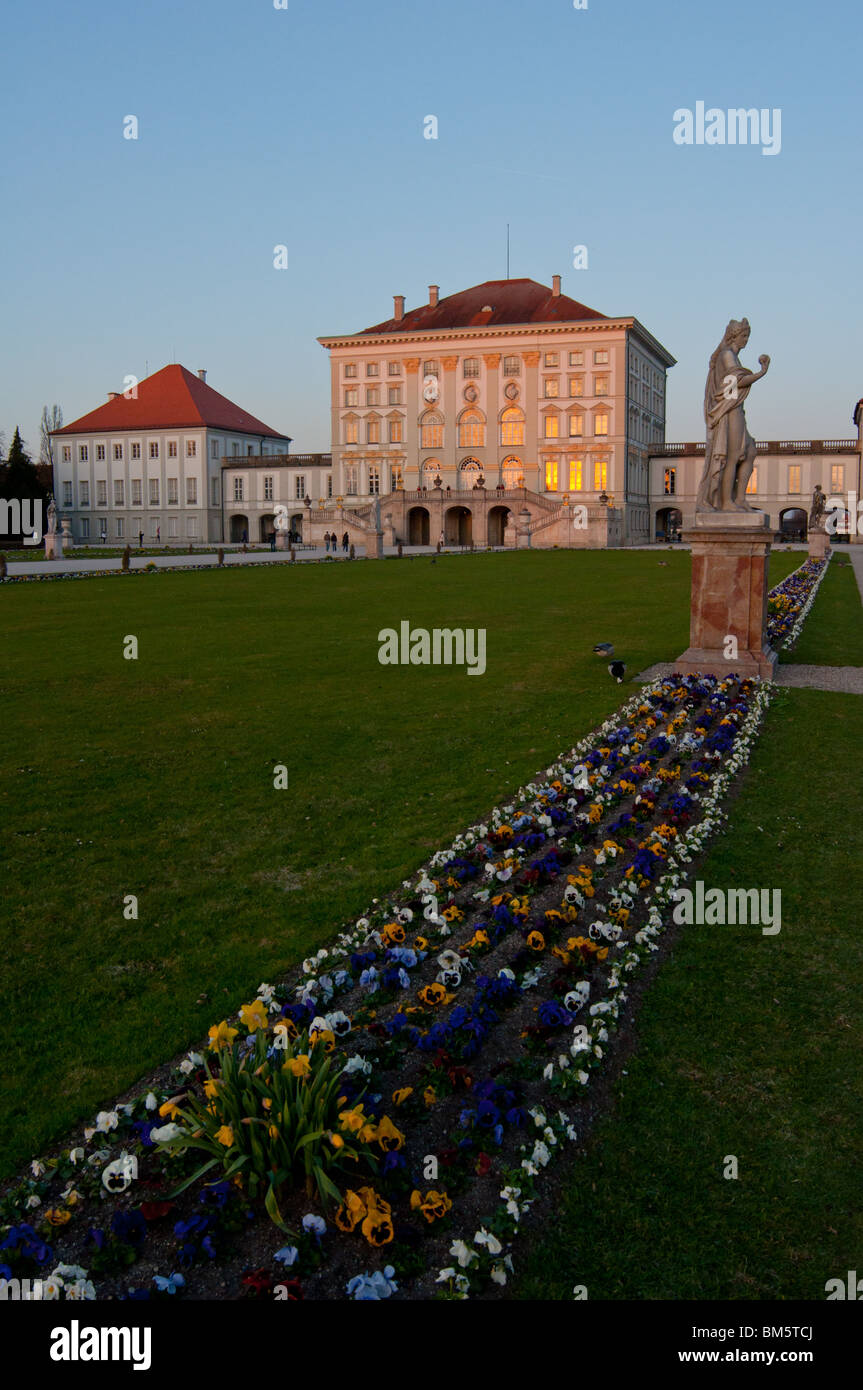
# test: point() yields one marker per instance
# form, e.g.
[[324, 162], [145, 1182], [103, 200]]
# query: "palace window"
[[600, 385], [395, 431], [300, 486], [136, 451], [512, 366], [576, 359], [471, 430], [394, 395], [470, 366], [191, 448], [752, 485], [173, 526], [83, 493], [373, 430], [600, 357], [67, 494], [120, 527], [432, 430], [600, 475], [85, 528], [551, 475], [67, 453], [329, 485], [552, 427], [100, 453], [173, 492], [670, 482], [352, 396], [154, 449], [83, 453], [374, 481], [373, 369], [600, 423], [352, 430], [118, 492], [351, 475], [239, 490], [576, 424], [794, 477], [512, 427], [576, 385], [136, 492], [191, 492], [373, 396], [118, 453], [154, 492], [350, 369], [395, 479], [394, 368], [512, 469], [101, 493], [837, 477], [551, 387], [576, 475], [215, 492], [191, 526], [268, 488], [430, 369]]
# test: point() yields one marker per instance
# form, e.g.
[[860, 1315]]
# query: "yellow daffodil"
[[169, 1110], [254, 1016], [221, 1035], [211, 1088], [225, 1136], [400, 1096], [300, 1066]]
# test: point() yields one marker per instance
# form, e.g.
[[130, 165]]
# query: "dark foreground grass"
[[747, 1045], [833, 632], [155, 777]]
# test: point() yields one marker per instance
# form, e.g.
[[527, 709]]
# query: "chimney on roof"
[[434, 293], [398, 307], [555, 286], [202, 373], [112, 395]]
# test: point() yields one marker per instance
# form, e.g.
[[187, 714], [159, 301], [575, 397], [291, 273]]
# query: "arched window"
[[471, 430], [512, 469], [512, 427], [471, 467], [432, 430]]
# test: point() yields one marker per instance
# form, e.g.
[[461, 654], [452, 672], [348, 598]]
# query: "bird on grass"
[[603, 649], [617, 669]]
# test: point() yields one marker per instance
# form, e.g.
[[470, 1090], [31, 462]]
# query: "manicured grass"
[[155, 777], [746, 1045], [833, 632]]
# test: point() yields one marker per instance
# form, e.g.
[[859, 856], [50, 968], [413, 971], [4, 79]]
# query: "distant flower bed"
[[380, 1127], [789, 602]]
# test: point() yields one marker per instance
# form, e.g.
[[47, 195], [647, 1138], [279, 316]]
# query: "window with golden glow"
[[512, 366], [352, 431], [431, 436], [752, 485], [471, 430], [551, 386], [794, 477], [551, 475], [600, 423], [552, 427], [837, 477], [470, 366], [670, 482], [576, 424], [576, 359], [373, 396], [395, 431], [512, 469], [600, 475], [551, 359], [600, 385], [576, 475], [352, 396], [373, 430], [512, 427], [576, 385], [374, 480]]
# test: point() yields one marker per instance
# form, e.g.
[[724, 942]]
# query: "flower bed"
[[380, 1126]]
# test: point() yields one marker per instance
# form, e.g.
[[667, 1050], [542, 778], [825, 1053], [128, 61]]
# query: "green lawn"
[[833, 632], [746, 1045], [155, 777]]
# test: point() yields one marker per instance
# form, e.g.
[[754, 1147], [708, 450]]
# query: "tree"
[[19, 479], [52, 419]]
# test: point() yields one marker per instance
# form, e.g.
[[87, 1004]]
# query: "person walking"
[[327, 541], [441, 542], [345, 542], [140, 540], [158, 535]]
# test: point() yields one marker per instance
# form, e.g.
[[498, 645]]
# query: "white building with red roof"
[[149, 461], [510, 381]]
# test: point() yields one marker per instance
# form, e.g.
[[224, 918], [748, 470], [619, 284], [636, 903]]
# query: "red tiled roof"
[[173, 398], [509, 302]]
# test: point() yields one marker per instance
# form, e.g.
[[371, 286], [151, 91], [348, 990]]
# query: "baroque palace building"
[[509, 389]]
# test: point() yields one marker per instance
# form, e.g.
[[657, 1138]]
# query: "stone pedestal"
[[374, 545], [819, 544], [53, 546], [66, 538], [282, 540], [730, 552]]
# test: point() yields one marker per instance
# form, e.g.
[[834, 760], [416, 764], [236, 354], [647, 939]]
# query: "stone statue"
[[52, 517], [819, 506], [730, 452]]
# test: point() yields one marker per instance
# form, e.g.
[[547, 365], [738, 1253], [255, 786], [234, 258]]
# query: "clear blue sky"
[[305, 127]]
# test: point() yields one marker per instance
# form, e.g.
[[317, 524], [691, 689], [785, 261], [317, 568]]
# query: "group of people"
[[332, 542]]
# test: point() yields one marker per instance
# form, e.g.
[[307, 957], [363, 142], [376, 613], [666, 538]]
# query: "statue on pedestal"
[[730, 451], [52, 516], [819, 506]]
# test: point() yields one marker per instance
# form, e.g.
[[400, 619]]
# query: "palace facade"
[[511, 383]]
